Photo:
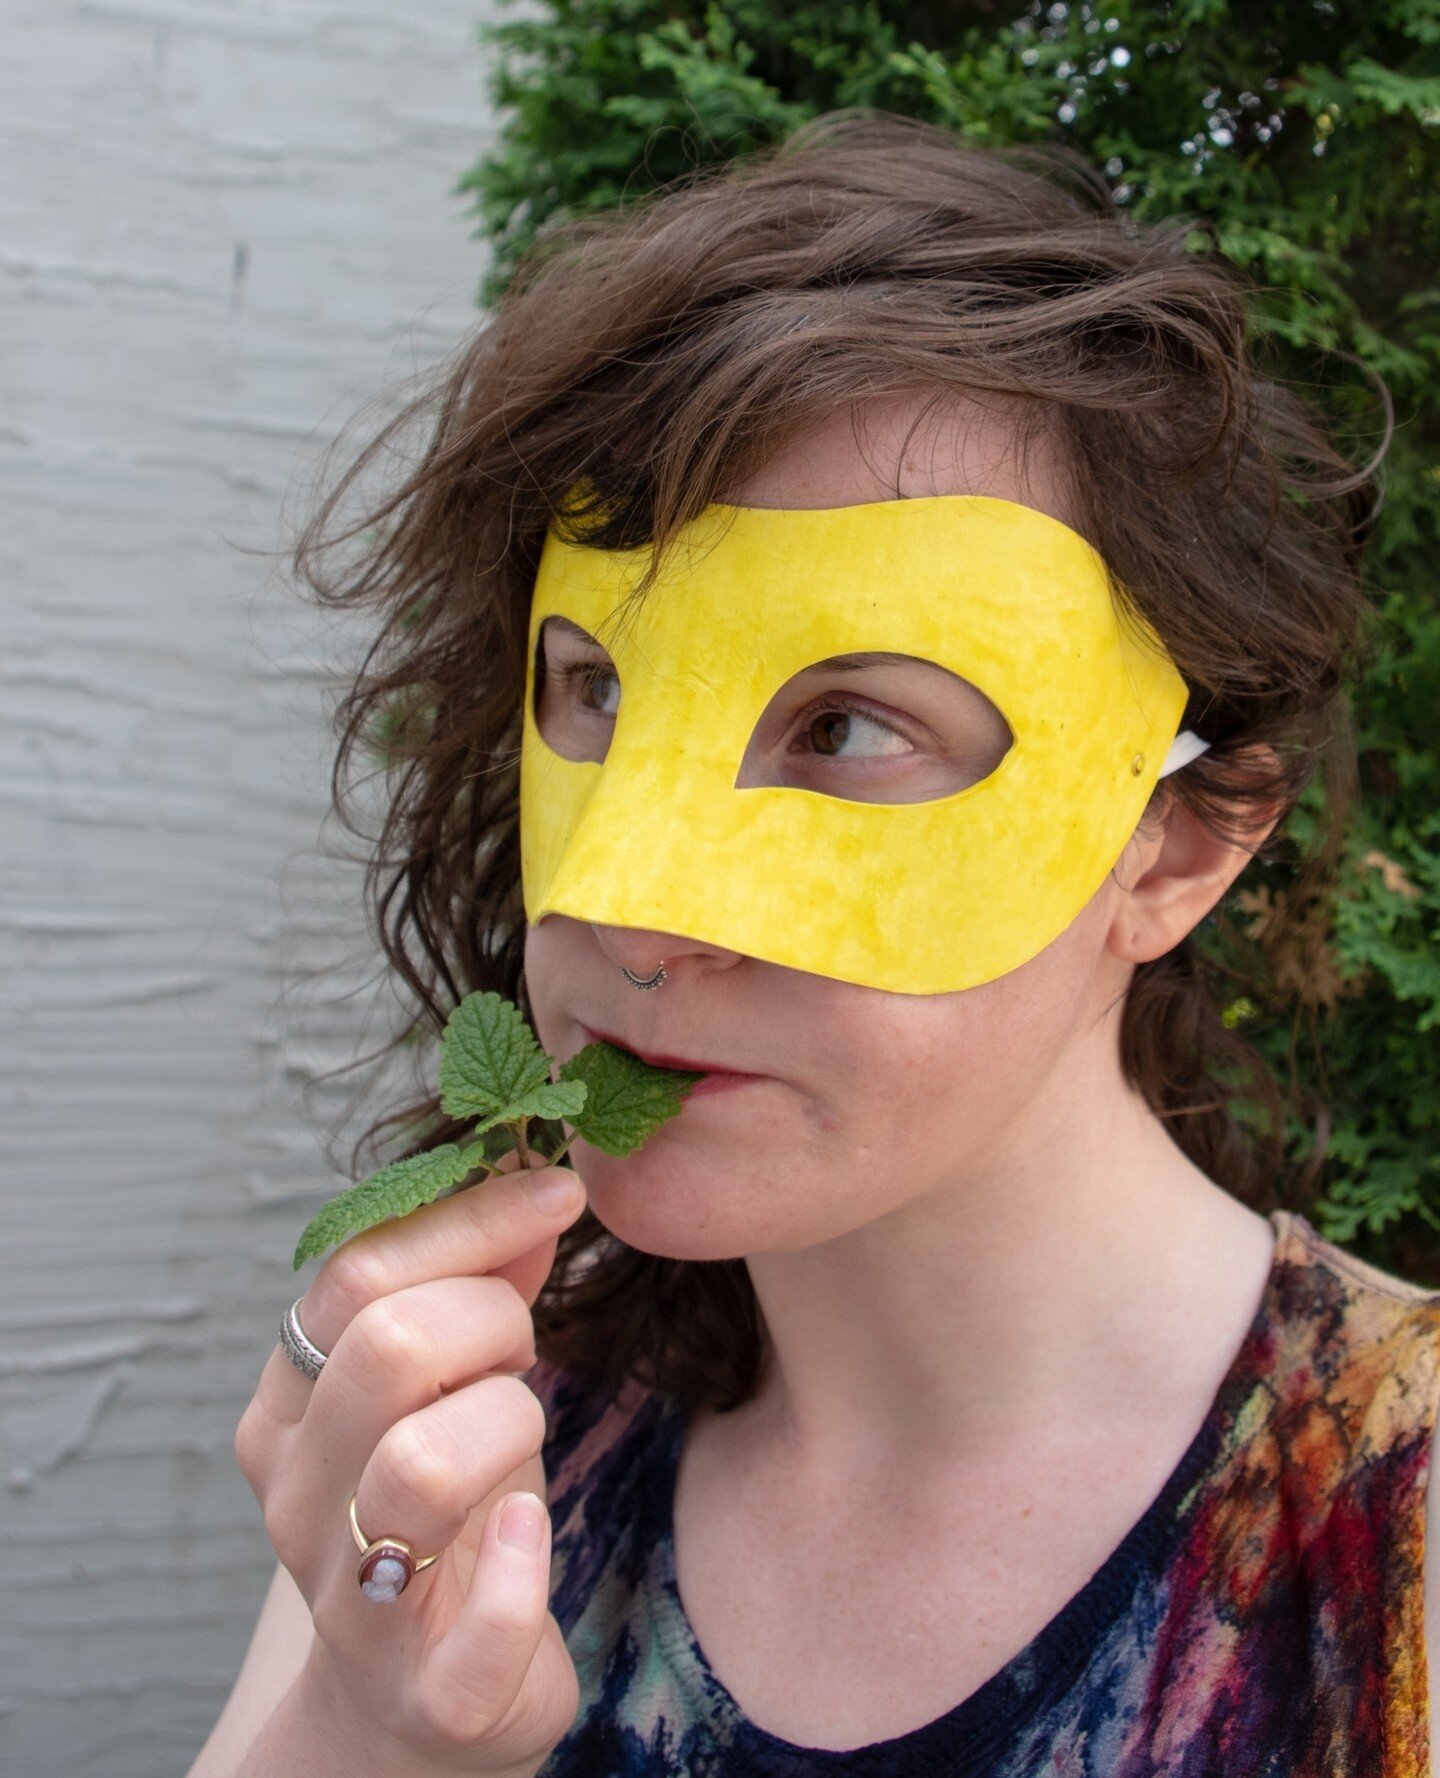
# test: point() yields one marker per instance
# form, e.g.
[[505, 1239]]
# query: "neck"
[[1062, 1279]]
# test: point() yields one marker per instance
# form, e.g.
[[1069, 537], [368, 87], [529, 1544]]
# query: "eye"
[[921, 732], [945, 735], [580, 678], [831, 724], [576, 693]]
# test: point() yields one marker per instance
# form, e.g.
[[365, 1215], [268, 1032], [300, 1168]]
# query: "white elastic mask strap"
[[1186, 746]]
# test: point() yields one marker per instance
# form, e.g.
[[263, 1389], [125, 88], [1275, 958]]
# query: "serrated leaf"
[[394, 1191], [490, 1063], [626, 1100], [553, 1099], [556, 1099]]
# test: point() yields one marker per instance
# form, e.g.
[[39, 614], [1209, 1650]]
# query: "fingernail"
[[555, 1190], [522, 1522]]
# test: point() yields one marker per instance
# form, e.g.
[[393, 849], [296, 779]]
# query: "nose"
[[642, 950]]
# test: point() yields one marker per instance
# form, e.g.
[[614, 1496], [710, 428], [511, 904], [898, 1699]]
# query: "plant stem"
[[554, 1159], [517, 1130], [480, 1161]]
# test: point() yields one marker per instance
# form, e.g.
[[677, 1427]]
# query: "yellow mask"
[[914, 897]]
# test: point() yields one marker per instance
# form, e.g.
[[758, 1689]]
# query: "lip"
[[715, 1072]]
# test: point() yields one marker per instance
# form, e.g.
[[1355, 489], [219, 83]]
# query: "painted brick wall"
[[224, 224]]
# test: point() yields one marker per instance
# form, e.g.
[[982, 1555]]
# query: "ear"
[[1172, 872]]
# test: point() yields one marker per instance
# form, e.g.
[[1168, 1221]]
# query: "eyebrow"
[[848, 663], [836, 663]]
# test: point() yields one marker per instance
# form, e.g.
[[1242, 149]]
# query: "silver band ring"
[[387, 1564], [302, 1353]]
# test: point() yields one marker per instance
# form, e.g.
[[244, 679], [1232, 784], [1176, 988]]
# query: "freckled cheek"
[[548, 966]]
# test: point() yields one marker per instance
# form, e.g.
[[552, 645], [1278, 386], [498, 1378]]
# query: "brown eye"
[[837, 722], [920, 734], [828, 731]]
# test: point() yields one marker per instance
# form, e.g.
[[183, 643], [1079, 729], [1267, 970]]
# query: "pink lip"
[[722, 1083], [716, 1079]]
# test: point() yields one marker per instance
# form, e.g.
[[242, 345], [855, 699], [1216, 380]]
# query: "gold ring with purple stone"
[[387, 1564]]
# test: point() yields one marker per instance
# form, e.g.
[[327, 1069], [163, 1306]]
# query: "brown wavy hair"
[[658, 353]]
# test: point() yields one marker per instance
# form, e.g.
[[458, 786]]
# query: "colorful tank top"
[[1264, 1617]]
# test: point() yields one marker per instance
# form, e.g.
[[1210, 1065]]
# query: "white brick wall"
[[224, 224]]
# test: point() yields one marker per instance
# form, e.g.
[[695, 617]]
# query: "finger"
[[419, 1485], [529, 1272], [472, 1232], [501, 1672], [431, 1469], [398, 1355]]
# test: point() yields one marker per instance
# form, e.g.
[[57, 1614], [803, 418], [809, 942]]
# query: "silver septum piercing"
[[635, 982]]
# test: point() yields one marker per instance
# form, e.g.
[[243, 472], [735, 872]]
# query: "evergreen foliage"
[[1301, 137]]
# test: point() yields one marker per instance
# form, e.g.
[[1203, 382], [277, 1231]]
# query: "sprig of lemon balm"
[[493, 1071]]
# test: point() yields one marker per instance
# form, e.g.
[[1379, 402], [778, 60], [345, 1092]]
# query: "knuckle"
[[289, 1538], [526, 1410], [411, 1461], [332, 1617], [388, 1339], [567, 1701], [249, 1444], [514, 1304], [458, 1708], [514, 1322], [357, 1273], [557, 1707], [443, 1720]]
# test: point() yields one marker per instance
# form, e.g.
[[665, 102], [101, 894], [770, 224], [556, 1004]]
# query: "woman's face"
[[861, 1100]]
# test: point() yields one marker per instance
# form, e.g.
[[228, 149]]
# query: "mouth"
[[659, 1059]]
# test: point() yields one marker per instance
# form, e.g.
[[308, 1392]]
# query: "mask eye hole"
[[576, 691], [876, 727]]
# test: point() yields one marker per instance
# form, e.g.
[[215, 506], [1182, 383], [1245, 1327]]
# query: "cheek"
[[973, 1058], [545, 971]]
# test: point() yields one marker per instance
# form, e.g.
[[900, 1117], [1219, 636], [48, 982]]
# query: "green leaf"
[[492, 1068], [394, 1191], [626, 1100]]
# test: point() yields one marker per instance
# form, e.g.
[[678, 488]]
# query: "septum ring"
[[635, 982], [387, 1564]]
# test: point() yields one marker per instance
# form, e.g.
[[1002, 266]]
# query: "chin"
[[667, 1235], [646, 1206], [690, 1209]]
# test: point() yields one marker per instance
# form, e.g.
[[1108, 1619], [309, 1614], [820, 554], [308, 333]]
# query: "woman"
[[869, 601]]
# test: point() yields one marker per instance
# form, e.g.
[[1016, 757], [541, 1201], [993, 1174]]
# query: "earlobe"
[[1179, 872]]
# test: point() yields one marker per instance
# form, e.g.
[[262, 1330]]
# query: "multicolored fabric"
[[1264, 1618]]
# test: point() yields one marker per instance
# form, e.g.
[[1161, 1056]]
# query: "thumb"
[[528, 1271]]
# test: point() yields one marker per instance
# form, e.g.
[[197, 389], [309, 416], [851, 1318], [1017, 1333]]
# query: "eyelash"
[[834, 701], [571, 671]]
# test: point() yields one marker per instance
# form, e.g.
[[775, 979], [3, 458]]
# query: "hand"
[[413, 1413]]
